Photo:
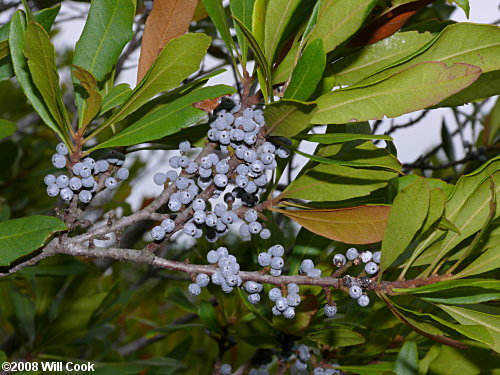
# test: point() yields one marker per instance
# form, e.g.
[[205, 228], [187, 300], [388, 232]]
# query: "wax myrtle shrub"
[[247, 262]]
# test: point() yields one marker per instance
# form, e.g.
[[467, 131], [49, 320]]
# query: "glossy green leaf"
[[401, 227], [407, 359], [260, 58], [93, 99], [436, 208], [7, 128], [450, 284], [375, 57], [19, 237], [20, 65], [331, 138], [308, 72], [41, 57], [288, 117], [171, 118], [488, 261], [115, 97], [4, 49], [208, 315], [340, 19], [472, 215], [464, 4], [286, 67], [180, 58], [337, 337], [467, 43], [215, 10], [278, 15], [416, 88], [243, 11], [471, 318], [177, 296], [258, 18], [107, 30], [327, 182], [450, 361]]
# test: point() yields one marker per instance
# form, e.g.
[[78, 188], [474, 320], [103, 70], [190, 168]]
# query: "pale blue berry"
[[267, 158], [265, 234], [254, 298], [53, 190], [277, 263], [100, 166], [50, 179], [248, 113], [260, 181], [289, 312], [251, 215], [220, 180], [300, 365], [264, 259], [275, 311], [225, 369], [192, 168], [330, 310], [168, 225], [110, 183], [293, 299], [88, 182], [293, 288], [85, 196], [190, 229], [217, 278], [158, 232], [366, 256], [275, 294], [211, 220], [66, 194], [257, 166], [229, 217], [224, 137], [253, 287], [174, 205], [315, 272], [352, 253], [62, 181], [241, 181], [363, 301], [194, 289], [282, 152], [202, 280], [85, 171], [58, 161], [199, 217], [274, 272], [223, 252], [306, 266], [220, 209], [184, 146], [242, 169], [213, 256], [174, 162], [355, 291], [89, 162], [61, 149], [277, 250], [371, 268], [199, 204], [281, 304], [251, 187], [376, 256], [268, 147], [183, 161], [250, 138], [254, 227], [222, 167], [249, 155], [75, 183], [243, 230]]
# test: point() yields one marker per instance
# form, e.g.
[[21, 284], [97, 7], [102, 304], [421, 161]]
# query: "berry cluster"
[[273, 258], [285, 305], [307, 268], [227, 274], [84, 177], [239, 163]]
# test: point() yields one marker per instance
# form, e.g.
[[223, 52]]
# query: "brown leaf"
[[208, 105], [356, 225], [169, 19], [387, 23]]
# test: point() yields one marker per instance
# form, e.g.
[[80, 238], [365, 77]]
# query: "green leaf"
[[380, 368], [115, 97], [92, 103], [327, 182], [243, 11], [332, 138], [472, 318], [286, 67], [407, 359], [488, 261], [452, 361], [447, 142], [464, 4], [4, 49], [41, 56], [7, 128], [336, 337], [416, 88], [259, 56], [436, 208], [375, 57], [258, 21], [208, 315], [20, 65], [308, 72], [20, 237], [471, 217], [107, 30], [180, 58], [170, 119], [177, 296], [467, 43], [340, 19], [288, 117], [215, 10], [451, 284], [401, 227], [278, 15]]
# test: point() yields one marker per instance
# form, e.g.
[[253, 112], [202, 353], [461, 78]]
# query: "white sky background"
[[410, 142]]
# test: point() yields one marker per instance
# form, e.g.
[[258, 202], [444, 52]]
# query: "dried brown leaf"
[[169, 19]]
